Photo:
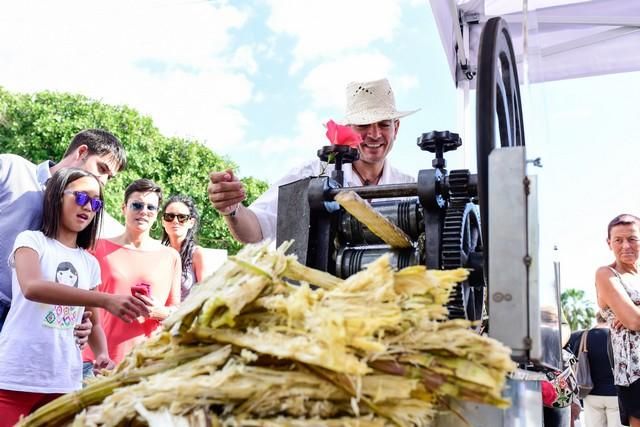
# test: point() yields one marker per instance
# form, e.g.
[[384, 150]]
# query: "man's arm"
[[244, 225], [226, 194]]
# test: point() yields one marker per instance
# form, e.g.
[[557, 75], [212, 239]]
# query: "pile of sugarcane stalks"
[[250, 348]]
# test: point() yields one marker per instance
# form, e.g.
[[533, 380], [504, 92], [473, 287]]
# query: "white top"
[[21, 198], [266, 206], [624, 342], [38, 351]]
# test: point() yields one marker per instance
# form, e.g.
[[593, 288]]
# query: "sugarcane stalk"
[[64, 407], [302, 273], [379, 225]]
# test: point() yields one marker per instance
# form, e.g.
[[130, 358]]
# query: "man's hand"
[[83, 330], [226, 192]]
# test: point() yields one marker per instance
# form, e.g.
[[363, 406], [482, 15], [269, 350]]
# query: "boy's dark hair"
[[622, 219], [101, 143], [143, 185], [52, 208], [190, 242]]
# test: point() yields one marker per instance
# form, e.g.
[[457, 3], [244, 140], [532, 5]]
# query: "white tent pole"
[[608, 21], [461, 54], [587, 40], [525, 42], [617, 21], [464, 116]]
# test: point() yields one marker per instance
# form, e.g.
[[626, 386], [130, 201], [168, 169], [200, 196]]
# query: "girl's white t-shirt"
[[38, 350]]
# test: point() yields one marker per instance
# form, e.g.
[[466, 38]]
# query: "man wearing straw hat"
[[371, 112]]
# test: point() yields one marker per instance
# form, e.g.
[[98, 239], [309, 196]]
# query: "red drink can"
[[141, 288]]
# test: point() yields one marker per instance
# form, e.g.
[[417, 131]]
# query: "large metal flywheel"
[[498, 109]]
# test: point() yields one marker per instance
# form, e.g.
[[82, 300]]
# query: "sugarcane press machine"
[[486, 222], [438, 212]]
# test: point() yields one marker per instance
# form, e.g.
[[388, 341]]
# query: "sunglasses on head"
[[138, 206], [182, 218], [82, 198]]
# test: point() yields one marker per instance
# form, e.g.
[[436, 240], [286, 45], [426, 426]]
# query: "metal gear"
[[461, 246]]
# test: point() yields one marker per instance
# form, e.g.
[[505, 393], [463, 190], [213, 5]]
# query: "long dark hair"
[[52, 209], [189, 243]]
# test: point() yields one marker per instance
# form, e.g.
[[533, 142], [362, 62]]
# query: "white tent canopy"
[[564, 39]]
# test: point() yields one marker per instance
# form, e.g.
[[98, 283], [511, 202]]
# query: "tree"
[[40, 126], [578, 311]]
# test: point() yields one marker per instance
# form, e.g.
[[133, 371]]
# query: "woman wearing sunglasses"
[[180, 221], [136, 263], [53, 279]]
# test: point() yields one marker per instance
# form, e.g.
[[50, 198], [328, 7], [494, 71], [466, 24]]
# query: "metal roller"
[[350, 260], [406, 214]]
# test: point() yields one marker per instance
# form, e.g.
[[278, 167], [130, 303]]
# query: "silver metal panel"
[[533, 243], [544, 294], [525, 410], [523, 302], [508, 298]]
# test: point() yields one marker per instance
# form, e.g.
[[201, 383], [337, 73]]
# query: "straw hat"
[[371, 102]]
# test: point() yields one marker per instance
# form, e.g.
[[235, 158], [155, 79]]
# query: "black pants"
[[557, 417]]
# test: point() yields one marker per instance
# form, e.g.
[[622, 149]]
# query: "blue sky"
[[255, 80]]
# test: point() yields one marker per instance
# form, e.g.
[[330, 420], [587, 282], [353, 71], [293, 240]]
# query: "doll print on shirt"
[[64, 316]]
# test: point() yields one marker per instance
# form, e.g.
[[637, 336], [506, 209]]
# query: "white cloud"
[[327, 28], [405, 82], [170, 60], [177, 32], [327, 81], [278, 154], [308, 134], [244, 59]]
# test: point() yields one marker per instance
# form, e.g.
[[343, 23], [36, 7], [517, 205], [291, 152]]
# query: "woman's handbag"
[[564, 382], [583, 371]]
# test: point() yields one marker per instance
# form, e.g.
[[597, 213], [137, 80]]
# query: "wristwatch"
[[232, 213]]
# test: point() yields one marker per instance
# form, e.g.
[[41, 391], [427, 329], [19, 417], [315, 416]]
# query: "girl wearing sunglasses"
[[180, 221], [53, 279], [135, 262]]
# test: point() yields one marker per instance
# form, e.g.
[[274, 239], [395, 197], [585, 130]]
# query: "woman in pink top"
[[133, 260]]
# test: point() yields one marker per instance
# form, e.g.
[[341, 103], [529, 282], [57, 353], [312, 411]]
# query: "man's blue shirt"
[[21, 197]]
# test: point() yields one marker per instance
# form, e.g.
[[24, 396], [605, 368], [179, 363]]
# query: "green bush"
[[40, 127]]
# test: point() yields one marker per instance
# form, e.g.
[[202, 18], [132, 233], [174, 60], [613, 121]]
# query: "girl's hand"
[[156, 311], [126, 307], [102, 362]]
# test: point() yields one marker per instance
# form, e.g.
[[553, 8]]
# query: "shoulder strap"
[[583, 342], [619, 276], [614, 271]]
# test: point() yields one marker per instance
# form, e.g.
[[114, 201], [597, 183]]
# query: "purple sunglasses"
[[82, 198]]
